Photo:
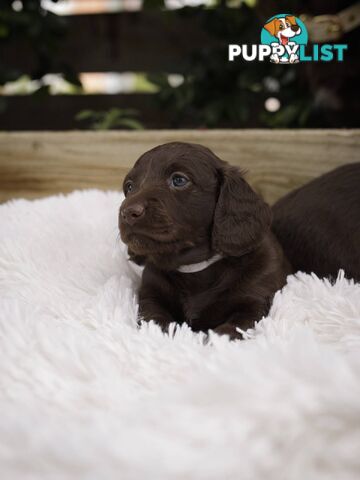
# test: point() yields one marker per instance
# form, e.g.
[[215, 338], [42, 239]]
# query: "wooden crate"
[[36, 164]]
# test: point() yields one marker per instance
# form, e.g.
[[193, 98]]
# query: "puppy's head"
[[181, 197], [283, 28]]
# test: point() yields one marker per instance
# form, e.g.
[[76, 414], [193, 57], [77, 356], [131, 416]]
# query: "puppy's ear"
[[241, 217], [291, 19], [270, 27]]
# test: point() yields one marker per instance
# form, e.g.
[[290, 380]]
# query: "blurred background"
[[154, 64]]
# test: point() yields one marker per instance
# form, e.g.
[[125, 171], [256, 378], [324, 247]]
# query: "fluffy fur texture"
[[84, 394]]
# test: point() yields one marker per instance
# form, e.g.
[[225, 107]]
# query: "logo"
[[284, 40], [284, 34]]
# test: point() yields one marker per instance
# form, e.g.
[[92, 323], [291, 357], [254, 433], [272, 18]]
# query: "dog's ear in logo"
[[291, 19], [271, 26]]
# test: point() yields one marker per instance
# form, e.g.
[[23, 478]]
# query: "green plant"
[[109, 119], [38, 34], [219, 93]]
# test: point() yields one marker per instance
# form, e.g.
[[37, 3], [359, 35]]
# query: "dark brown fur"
[[318, 224], [165, 227]]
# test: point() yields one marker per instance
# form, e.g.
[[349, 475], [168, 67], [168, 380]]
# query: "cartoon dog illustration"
[[283, 29]]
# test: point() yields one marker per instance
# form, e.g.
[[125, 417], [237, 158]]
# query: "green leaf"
[[84, 115], [130, 123], [4, 30]]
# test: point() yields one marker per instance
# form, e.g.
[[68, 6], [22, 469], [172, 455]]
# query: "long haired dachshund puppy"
[[318, 224], [204, 237]]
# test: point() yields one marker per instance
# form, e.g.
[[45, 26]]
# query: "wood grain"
[[36, 164]]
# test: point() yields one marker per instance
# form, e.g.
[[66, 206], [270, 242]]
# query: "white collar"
[[198, 267]]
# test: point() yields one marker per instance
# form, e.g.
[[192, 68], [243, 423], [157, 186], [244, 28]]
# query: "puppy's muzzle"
[[132, 213]]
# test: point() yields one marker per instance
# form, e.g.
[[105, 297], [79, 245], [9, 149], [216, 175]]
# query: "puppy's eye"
[[128, 187], [281, 26], [287, 24], [178, 180]]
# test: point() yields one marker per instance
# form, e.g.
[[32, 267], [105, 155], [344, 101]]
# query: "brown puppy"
[[204, 236], [318, 224]]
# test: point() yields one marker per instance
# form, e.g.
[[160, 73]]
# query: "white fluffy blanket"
[[84, 394]]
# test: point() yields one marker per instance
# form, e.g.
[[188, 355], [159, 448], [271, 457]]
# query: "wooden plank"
[[146, 41], [58, 112], [39, 164]]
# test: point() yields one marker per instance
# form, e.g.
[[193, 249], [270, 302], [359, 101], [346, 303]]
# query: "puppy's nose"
[[132, 213], [295, 28]]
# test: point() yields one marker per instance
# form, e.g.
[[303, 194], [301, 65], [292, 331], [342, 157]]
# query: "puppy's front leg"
[[244, 318], [294, 58], [274, 58], [230, 330], [157, 301], [151, 309]]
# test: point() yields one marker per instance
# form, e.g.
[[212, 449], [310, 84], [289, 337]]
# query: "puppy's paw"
[[294, 58], [274, 58], [229, 330]]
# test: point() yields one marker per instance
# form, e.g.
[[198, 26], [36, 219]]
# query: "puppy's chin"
[[168, 255], [158, 245], [167, 248]]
